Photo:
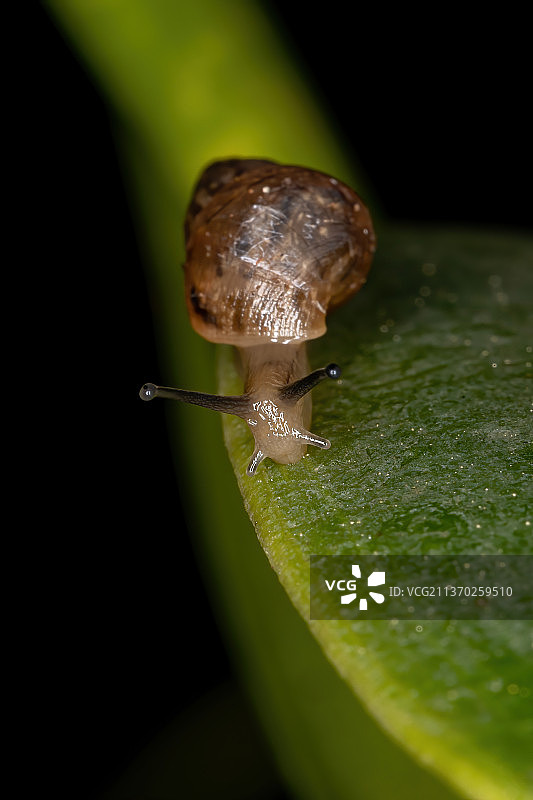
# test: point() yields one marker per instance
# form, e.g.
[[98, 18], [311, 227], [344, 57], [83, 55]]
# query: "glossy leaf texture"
[[431, 454]]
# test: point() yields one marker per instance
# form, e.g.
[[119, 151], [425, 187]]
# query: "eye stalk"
[[300, 387], [226, 404]]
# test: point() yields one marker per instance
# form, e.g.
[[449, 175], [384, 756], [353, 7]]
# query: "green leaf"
[[431, 453]]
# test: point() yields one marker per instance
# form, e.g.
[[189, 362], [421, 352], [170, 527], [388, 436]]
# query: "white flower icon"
[[374, 579]]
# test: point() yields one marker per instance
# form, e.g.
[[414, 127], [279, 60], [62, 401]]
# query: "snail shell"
[[271, 249]]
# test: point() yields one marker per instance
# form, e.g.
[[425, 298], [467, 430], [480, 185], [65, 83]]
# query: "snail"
[[270, 250]]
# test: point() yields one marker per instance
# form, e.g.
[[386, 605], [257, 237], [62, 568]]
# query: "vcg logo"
[[350, 590]]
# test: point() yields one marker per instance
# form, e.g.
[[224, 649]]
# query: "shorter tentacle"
[[256, 459], [312, 438]]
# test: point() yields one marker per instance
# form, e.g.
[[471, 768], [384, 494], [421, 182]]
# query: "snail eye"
[[333, 371], [148, 391]]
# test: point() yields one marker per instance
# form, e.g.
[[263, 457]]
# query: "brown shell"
[[270, 250]]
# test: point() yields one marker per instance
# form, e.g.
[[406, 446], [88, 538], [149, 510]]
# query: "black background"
[[445, 139]]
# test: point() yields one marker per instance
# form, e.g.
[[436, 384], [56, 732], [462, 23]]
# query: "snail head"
[[274, 416]]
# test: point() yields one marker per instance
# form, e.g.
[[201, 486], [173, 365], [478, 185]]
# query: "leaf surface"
[[431, 454]]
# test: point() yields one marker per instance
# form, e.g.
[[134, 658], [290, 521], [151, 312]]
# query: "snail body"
[[270, 250]]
